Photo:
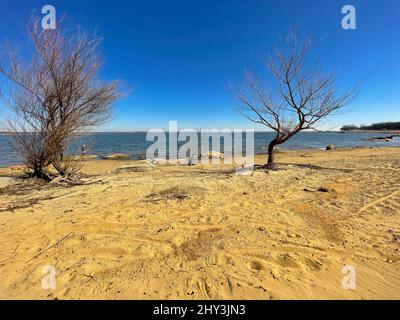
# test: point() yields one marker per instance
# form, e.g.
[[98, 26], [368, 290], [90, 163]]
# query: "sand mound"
[[175, 194]]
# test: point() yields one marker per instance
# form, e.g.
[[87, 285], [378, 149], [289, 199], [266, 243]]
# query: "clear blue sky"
[[179, 56]]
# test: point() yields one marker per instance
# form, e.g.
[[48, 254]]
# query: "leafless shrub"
[[54, 96]]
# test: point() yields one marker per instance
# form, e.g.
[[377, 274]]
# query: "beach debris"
[[87, 157], [25, 187], [6, 181], [386, 139], [88, 276], [11, 256], [79, 157], [312, 189], [255, 265], [245, 171], [188, 161], [213, 154], [174, 193], [330, 147], [396, 236], [16, 168], [116, 156], [56, 180], [260, 287], [228, 282], [52, 246], [158, 161], [135, 168], [60, 180]]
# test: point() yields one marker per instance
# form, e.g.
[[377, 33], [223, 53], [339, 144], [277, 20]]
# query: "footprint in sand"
[[255, 265], [389, 201], [286, 261], [199, 289]]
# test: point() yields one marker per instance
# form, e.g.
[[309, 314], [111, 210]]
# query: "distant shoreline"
[[373, 131], [311, 131], [135, 145], [102, 158]]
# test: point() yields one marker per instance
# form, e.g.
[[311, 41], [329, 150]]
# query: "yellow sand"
[[203, 232]]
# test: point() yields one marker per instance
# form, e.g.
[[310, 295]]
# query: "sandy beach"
[[131, 231]]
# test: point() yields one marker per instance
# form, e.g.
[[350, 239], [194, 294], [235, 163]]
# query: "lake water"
[[135, 144]]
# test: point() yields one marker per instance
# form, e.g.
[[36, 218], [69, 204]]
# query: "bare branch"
[[56, 95], [304, 97]]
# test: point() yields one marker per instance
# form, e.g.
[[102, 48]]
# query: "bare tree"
[[301, 97], [55, 96]]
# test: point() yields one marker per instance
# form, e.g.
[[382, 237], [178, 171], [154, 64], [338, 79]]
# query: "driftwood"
[[61, 179]]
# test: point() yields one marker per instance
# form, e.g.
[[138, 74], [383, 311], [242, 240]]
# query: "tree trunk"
[[270, 163], [58, 165], [40, 174]]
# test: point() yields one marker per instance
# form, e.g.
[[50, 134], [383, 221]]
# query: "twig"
[[229, 282], [12, 254], [71, 182], [52, 246]]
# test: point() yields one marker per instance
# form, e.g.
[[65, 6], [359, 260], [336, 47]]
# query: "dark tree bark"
[[270, 161]]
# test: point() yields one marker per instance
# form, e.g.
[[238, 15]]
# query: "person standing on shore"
[[83, 150]]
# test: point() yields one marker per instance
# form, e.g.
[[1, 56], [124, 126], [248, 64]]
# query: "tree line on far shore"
[[374, 126]]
